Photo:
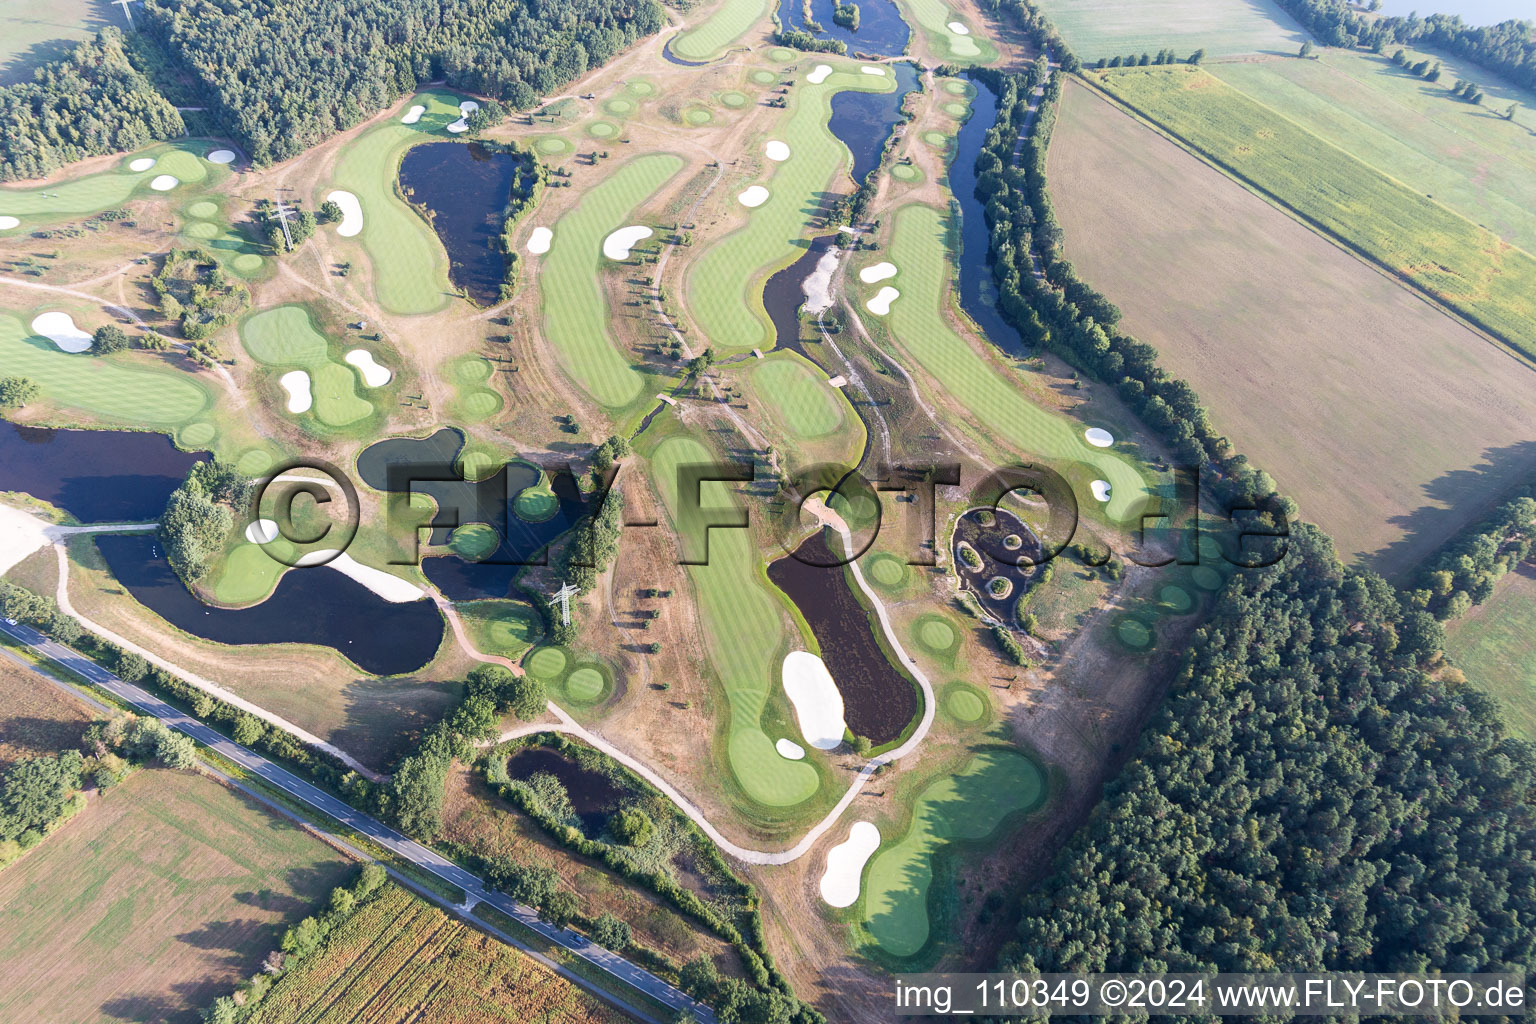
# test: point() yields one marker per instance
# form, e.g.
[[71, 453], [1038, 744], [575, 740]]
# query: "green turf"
[[195, 434], [254, 461], [801, 398], [725, 283], [474, 541], [250, 573], [585, 685], [886, 570], [115, 387], [410, 268], [727, 23], [764, 77], [935, 634], [552, 145], [105, 189], [1413, 130], [957, 109], [575, 311], [535, 504], [204, 208], [919, 250], [1175, 599], [640, 87], [1206, 578], [247, 263], [201, 230], [905, 172], [967, 806], [1431, 246], [936, 138], [1109, 28], [697, 116], [955, 87], [1134, 633], [932, 18], [618, 106], [286, 336], [602, 129], [964, 703], [506, 628], [1495, 645], [476, 465], [734, 99], [337, 403], [742, 629], [547, 663]]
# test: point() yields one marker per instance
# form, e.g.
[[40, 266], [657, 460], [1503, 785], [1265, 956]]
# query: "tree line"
[[1465, 571]]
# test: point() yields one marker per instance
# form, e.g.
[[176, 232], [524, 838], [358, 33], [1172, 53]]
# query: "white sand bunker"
[[818, 705], [776, 150], [296, 383], [7, 222], [538, 242], [351, 212], [60, 329], [222, 156], [878, 272], [790, 750], [616, 246], [845, 864], [164, 182], [374, 375], [391, 588], [1098, 437], [870, 69], [881, 303], [819, 74], [143, 163], [958, 29], [262, 531], [1100, 489], [818, 285], [753, 196], [413, 115], [465, 109]]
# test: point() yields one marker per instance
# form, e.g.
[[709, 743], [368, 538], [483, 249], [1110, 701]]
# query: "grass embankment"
[[410, 268], [575, 310], [725, 285], [920, 250], [159, 897], [744, 632], [1492, 644], [728, 22], [1109, 28], [1423, 243]]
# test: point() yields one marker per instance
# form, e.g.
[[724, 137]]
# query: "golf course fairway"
[[725, 285], [917, 325], [285, 336], [743, 632], [728, 23], [575, 310], [96, 192], [966, 806]]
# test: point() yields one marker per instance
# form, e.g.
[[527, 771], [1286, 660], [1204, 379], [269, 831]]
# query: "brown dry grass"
[[1392, 425], [36, 717]]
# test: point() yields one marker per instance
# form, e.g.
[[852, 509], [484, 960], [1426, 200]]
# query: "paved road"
[[379, 833]]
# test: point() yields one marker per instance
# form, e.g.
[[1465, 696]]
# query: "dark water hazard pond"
[[997, 540], [594, 796], [403, 465], [97, 476], [863, 120], [468, 189], [309, 606], [784, 294], [881, 31], [978, 290], [879, 701]]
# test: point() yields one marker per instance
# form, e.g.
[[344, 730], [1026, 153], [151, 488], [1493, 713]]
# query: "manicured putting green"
[[478, 404], [199, 433], [576, 315], [886, 570], [476, 465], [535, 505], [619, 107], [964, 702], [254, 461], [203, 208], [247, 263], [734, 99], [474, 541], [969, 806], [602, 129], [1176, 599], [201, 230], [782, 55], [336, 400], [764, 77], [934, 16], [742, 627], [1206, 578], [510, 628], [725, 284], [551, 145], [285, 336], [956, 109], [472, 369], [956, 88], [546, 663], [585, 685], [936, 138], [905, 172], [697, 115], [727, 23], [641, 88], [251, 571], [936, 634], [112, 387], [807, 406], [1134, 633]]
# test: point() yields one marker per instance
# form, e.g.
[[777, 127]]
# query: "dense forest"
[[1307, 797], [283, 75], [89, 103]]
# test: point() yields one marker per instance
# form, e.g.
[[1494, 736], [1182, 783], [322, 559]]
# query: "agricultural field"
[[1494, 644], [1467, 157], [156, 899], [34, 32], [36, 717], [1223, 28], [1415, 238], [398, 960], [1248, 306]]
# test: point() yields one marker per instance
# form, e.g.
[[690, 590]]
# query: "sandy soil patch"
[[845, 864], [878, 272], [391, 588], [60, 329], [374, 375], [262, 531], [296, 383], [870, 69], [881, 303], [538, 241], [777, 151], [466, 108], [351, 212], [1098, 437], [143, 163], [754, 196], [818, 704], [817, 285], [20, 535], [617, 245], [958, 29]]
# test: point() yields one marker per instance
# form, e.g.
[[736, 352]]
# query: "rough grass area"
[[36, 717], [1495, 645], [157, 898], [507, 628], [575, 311], [399, 960], [725, 283], [707, 35], [35, 32], [1110, 28], [1316, 366], [1468, 157], [123, 388], [1417, 239]]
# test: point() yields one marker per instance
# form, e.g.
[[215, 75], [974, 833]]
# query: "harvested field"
[[1315, 365], [1110, 28], [158, 898], [398, 959], [1493, 645], [36, 717]]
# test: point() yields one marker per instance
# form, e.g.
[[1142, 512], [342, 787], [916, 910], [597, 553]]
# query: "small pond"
[[594, 796], [881, 31], [1000, 544], [863, 120], [84, 472]]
